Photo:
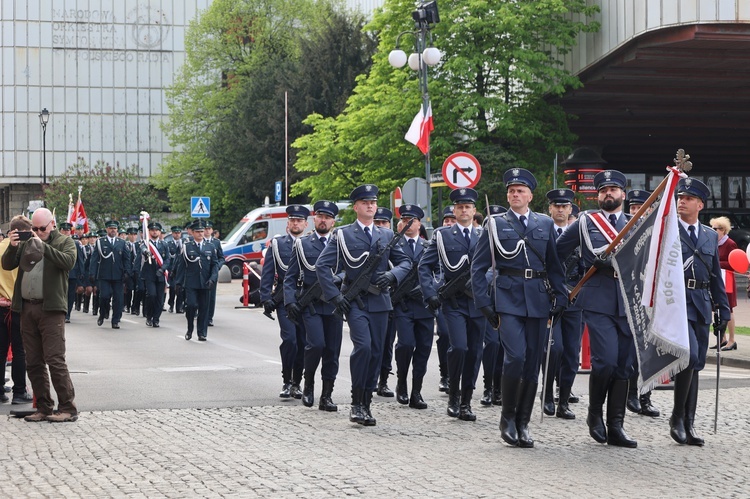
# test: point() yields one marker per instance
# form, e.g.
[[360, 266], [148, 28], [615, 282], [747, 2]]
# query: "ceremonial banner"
[[653, 285]]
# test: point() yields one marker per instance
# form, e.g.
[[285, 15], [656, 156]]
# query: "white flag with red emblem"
[[420, 129]]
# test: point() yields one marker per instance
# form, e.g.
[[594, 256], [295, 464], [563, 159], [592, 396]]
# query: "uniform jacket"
[[413, 304], [110, 262], [195, 268], [274, 266], [219, 251], [78, 270], [430, 265], [59, 258], [601, 293], [135, 257], [357, 243], [518, 295], [148, 271], [699, 306], [311, 249]]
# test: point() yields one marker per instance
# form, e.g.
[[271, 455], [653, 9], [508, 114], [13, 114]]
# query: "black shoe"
[[549, 408], [155, 324], [115, 325], [171, 310], [616, 401], [308, 394], [211, 323], [203, 338], [127, 310], [100, 321], [188, 335], [453, 404], [416, 401], [634, 404], [443, 386], [369, 420], [286, 391], [465, 414], [134, 312], [3, 397], [497, 396], [85, 311], [67, 321], [563, 412], [384, 391], [296, 391], [573, 399], [24, 398], [486, 397], [402, 394], [326, 403], [723, 343], [356, 414], [647, 408], [180, 311], [148, 322]]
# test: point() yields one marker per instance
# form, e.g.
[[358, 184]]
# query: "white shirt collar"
[[519, 215], [462, 227], [371, 226], [685, 226]]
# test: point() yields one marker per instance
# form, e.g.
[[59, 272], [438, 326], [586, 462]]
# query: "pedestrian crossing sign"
[[200, 207]]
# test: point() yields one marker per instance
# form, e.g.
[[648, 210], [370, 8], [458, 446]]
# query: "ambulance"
[[248, 239]]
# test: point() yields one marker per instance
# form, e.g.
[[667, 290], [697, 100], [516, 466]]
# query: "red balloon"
[[738, 260]]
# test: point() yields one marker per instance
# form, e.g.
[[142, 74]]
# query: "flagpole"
[[681, 164]]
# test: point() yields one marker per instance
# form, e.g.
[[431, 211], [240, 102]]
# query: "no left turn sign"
[[461, 169]]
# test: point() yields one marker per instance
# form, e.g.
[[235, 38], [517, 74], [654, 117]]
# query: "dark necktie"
[[323, 240], [522, 218], [367, 233], [613, 220], [693, 235], [467, 237], [411, 245], [559, 231]]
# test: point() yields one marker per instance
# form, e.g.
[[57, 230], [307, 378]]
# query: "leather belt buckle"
[[691, 283], [528, 273]]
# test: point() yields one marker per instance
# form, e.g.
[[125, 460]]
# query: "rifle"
[[407, 286], [306, 299], [277, 297], [361, 284], [459, 284]]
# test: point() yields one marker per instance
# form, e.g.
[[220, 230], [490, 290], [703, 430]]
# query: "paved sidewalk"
[[292, 451], [741, 356]]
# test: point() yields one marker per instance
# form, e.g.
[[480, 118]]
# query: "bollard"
[[585, 352]]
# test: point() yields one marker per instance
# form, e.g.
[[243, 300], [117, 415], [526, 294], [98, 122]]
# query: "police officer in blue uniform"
[[443, 341], [176, 294], [350, 248], [382, 218], [450, 254], [220, 255], [493, 349], [414, 322], [528, 292], [132, 284], [567, 333], [75, 274], [275, 265], [152, 274], [322, 326], [197, 272], [600, 298], [705, 292], [638, 404], [110, 265]]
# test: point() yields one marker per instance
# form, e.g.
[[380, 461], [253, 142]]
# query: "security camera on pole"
[[425, 17]]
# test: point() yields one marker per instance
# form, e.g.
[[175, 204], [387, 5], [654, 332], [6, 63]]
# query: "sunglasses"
[[41, 229], [717, 228]]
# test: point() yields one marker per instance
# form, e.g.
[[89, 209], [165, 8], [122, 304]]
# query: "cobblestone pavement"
[[292, 451]]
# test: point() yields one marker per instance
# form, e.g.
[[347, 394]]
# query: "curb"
[[729, 361]]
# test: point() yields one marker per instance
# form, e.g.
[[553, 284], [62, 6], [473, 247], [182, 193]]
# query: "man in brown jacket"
[[41, 297]]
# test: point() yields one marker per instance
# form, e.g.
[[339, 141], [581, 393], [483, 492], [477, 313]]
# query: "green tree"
[[108, 193], [501, 60], [227, 104]]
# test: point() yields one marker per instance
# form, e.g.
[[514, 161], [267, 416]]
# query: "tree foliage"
[[108, 193], [227, 105], [501, 59]]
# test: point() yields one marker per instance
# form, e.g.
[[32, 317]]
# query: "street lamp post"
[[44, 119], [425, 17]]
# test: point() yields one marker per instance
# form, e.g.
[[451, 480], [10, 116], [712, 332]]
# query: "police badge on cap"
[[561, 196], [608, 178], [326, 207], [519, 176], [693, 187], [411, 211], [383, 214], [464, 195], [367, 192]]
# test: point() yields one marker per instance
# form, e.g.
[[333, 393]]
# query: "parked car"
[[740, 221]]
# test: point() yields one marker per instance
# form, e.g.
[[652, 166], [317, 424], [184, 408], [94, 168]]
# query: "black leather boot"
[[497, 388], [464, 410], [416, 401], [634, 404], [454, 399], [616, 400], [369, 419], [402, 392], [444, 385], [690, 406], [682, 382], [308, 393], [356, 415], [383, 389], [598, 386], [523, 413], [286, 390], [326, 402], [563, 411], [508, 431], [647, 408], [296, 391], [487, 394], [549, 403]]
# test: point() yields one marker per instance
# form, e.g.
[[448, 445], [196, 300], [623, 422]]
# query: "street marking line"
[[194, 368]]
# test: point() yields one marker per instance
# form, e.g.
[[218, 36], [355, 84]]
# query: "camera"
[[427, 12], [24, 235]]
